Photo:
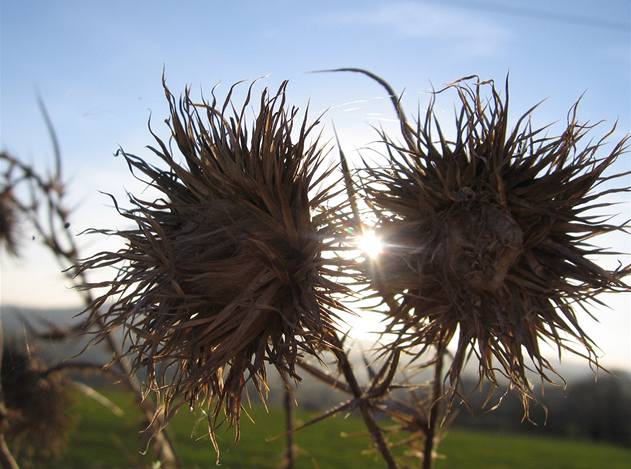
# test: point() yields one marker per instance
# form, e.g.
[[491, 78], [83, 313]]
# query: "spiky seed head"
[[226, 270], [486, 235], [7, 221], [37, 405]]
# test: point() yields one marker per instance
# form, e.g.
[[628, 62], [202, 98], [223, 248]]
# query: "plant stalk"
[[290, 453], [434, 413], [6, 458], [364, 406]]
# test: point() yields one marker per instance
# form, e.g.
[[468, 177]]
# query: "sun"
[[370, 244]]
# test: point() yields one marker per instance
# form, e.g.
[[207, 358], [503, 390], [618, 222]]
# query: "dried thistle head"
[[7, 221], [226, 271], [487, 235], [37, 405]]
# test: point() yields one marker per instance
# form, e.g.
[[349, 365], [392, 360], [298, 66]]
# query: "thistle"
[[37, 405], [7, 221], [487, 235], [226, 271]]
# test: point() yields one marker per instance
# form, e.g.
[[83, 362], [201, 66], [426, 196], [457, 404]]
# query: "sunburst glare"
[[370, 244]]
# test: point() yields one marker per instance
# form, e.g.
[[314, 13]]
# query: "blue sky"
[[98, 67]]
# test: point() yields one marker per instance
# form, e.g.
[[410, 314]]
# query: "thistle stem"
[[290, 456], [428, 448], [364, 406], [6, 458]]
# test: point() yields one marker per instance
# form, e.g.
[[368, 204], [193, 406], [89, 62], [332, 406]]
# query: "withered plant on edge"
[[37, 404], [226, 271], [7, 220]]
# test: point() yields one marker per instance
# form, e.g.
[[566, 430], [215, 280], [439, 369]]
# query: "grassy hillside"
[[103, 440]]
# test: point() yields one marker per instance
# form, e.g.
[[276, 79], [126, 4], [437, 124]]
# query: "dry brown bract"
[[37, 404], [226, 271], [487, 235]]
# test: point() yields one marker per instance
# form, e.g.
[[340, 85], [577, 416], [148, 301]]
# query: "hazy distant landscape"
[[599, 410], [63, 317]]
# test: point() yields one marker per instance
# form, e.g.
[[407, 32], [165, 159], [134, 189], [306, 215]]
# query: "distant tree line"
[[598, 410]]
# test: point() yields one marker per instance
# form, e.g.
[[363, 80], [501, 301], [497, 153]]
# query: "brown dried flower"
[[486, 235], [226, 271]]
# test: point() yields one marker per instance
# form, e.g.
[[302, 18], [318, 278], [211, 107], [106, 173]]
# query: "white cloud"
[[477, 34]]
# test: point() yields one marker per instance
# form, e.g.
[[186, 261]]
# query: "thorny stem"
[[428, 448], [406, 129], [6, 458], [364, 406], [324, 377], [288, 399], [386, 402], [79, 366]]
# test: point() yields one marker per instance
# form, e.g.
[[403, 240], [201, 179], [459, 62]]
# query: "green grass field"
[[103, 440]]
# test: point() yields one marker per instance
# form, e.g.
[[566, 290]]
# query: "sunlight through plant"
[[370, 244]]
